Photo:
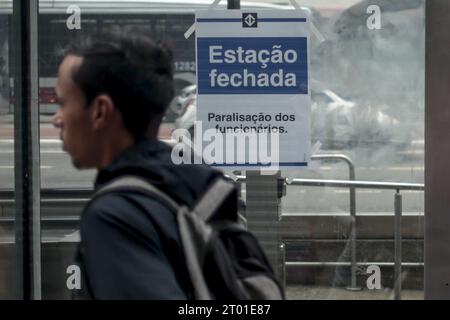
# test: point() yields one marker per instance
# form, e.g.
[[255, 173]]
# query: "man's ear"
[[102, 111]]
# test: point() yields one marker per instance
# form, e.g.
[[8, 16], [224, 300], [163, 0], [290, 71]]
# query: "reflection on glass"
[[367, 90]]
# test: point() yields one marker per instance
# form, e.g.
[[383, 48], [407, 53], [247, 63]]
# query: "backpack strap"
[[213, 198], [133, 183], [205, 207]]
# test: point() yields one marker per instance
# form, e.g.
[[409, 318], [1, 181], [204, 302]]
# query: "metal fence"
[[352, 185], [80, 196]]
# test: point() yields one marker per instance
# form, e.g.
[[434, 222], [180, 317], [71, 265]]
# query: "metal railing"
[[352, 177], [81, 195], [366, 185]]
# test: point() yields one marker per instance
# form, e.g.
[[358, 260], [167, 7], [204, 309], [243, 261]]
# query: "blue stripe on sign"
[[282, 20], [259, 20], [281, 164], [219, 20]]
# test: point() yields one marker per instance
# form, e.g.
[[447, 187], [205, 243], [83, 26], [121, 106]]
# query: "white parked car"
[[185, 107], [339, 123]]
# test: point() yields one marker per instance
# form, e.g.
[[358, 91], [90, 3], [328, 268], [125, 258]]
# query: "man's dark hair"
[[133, 70]]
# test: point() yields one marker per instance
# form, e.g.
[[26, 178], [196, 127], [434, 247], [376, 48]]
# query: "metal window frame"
[[437, 150], [26, 150]]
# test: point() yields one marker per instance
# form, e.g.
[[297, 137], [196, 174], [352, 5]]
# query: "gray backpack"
[[224, 260]]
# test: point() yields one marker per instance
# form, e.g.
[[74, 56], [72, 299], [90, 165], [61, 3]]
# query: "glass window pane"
[[367, 91]]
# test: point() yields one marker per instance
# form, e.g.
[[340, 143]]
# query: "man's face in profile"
[[73, 117]]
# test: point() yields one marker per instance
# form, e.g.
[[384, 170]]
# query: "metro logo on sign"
[[249, 20]]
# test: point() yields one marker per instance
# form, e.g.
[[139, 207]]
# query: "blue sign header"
[[252, 65]]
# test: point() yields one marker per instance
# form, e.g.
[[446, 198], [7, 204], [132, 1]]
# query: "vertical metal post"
[[398, 247], [264, 213], [353, 285], [234, 4], [26, 149], [283, 264]]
